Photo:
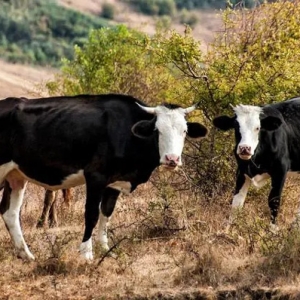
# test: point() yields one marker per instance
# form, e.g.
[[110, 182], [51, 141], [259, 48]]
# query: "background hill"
[[40, 33]]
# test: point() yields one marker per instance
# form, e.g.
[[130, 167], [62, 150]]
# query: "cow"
[[49, 213], [266, 146], [110, 142]]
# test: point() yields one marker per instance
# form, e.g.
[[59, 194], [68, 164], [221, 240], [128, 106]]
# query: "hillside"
[[22, 80], [209, 21]]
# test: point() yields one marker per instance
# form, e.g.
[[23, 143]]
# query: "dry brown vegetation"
[[167, 245]]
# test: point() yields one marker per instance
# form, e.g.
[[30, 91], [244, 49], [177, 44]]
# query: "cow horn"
[[190, 109], [150, 110]]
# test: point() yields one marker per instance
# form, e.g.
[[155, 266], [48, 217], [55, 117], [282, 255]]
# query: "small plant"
[[56, 263], [188, 18], [108, 11]]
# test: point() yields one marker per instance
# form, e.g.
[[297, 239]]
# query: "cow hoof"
[[86, 250], [25, 254], [87, 256], [104, 247], [274, 228]]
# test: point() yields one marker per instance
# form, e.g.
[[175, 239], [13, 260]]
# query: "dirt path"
[[19, 80]]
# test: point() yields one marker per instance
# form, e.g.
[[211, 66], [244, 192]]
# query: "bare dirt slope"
[[22, 81], [209, 22]]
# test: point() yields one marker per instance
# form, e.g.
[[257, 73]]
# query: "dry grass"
[[173, 244]]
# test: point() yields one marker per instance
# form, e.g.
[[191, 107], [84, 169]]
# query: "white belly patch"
[[11, 171], [70, 181]]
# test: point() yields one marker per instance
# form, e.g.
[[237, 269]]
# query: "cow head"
[[247, 122], [172, 128]]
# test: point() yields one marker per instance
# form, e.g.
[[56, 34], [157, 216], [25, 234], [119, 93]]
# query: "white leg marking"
[[239, 198], [238, 201], [102, 232], [260, 180], [274, 228], [12, 220], [86, 249]]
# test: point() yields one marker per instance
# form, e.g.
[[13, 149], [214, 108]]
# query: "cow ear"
[[143, 129], [224, 122], [196, 130], [270, 123]]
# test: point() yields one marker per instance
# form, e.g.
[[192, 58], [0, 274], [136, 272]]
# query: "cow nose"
[[244, 150], [172, 160]]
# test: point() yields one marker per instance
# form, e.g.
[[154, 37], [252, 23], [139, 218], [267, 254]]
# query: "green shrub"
[[188, 18], [255, 61]]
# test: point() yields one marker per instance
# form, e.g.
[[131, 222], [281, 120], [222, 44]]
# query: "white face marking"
[[12, 220], [172, 128], [249, 123], [86, 249]]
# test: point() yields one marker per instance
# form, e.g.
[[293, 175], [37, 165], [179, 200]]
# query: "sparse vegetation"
[[188, 18], [155, 7], [174, 226], [41, 32]]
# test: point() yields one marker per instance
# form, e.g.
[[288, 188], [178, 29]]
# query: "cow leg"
[[53, 220], [67, 196], [260, 180], [48, 203], [108, 203], [242, 186], [95, 184], [277, 182], [10, 209]]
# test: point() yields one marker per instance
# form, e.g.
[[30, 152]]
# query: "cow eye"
[[257, 128]]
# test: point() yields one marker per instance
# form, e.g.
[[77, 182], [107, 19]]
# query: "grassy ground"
[[168, 247]]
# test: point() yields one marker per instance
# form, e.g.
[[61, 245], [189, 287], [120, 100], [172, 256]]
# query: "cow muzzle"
[[244, 152], [171, 161]]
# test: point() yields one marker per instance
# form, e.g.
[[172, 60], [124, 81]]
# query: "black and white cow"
[[267, 146], [111, 143]]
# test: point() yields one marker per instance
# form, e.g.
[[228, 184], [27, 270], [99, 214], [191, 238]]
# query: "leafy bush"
[[188, 18], [118, 60], [255, 61]]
